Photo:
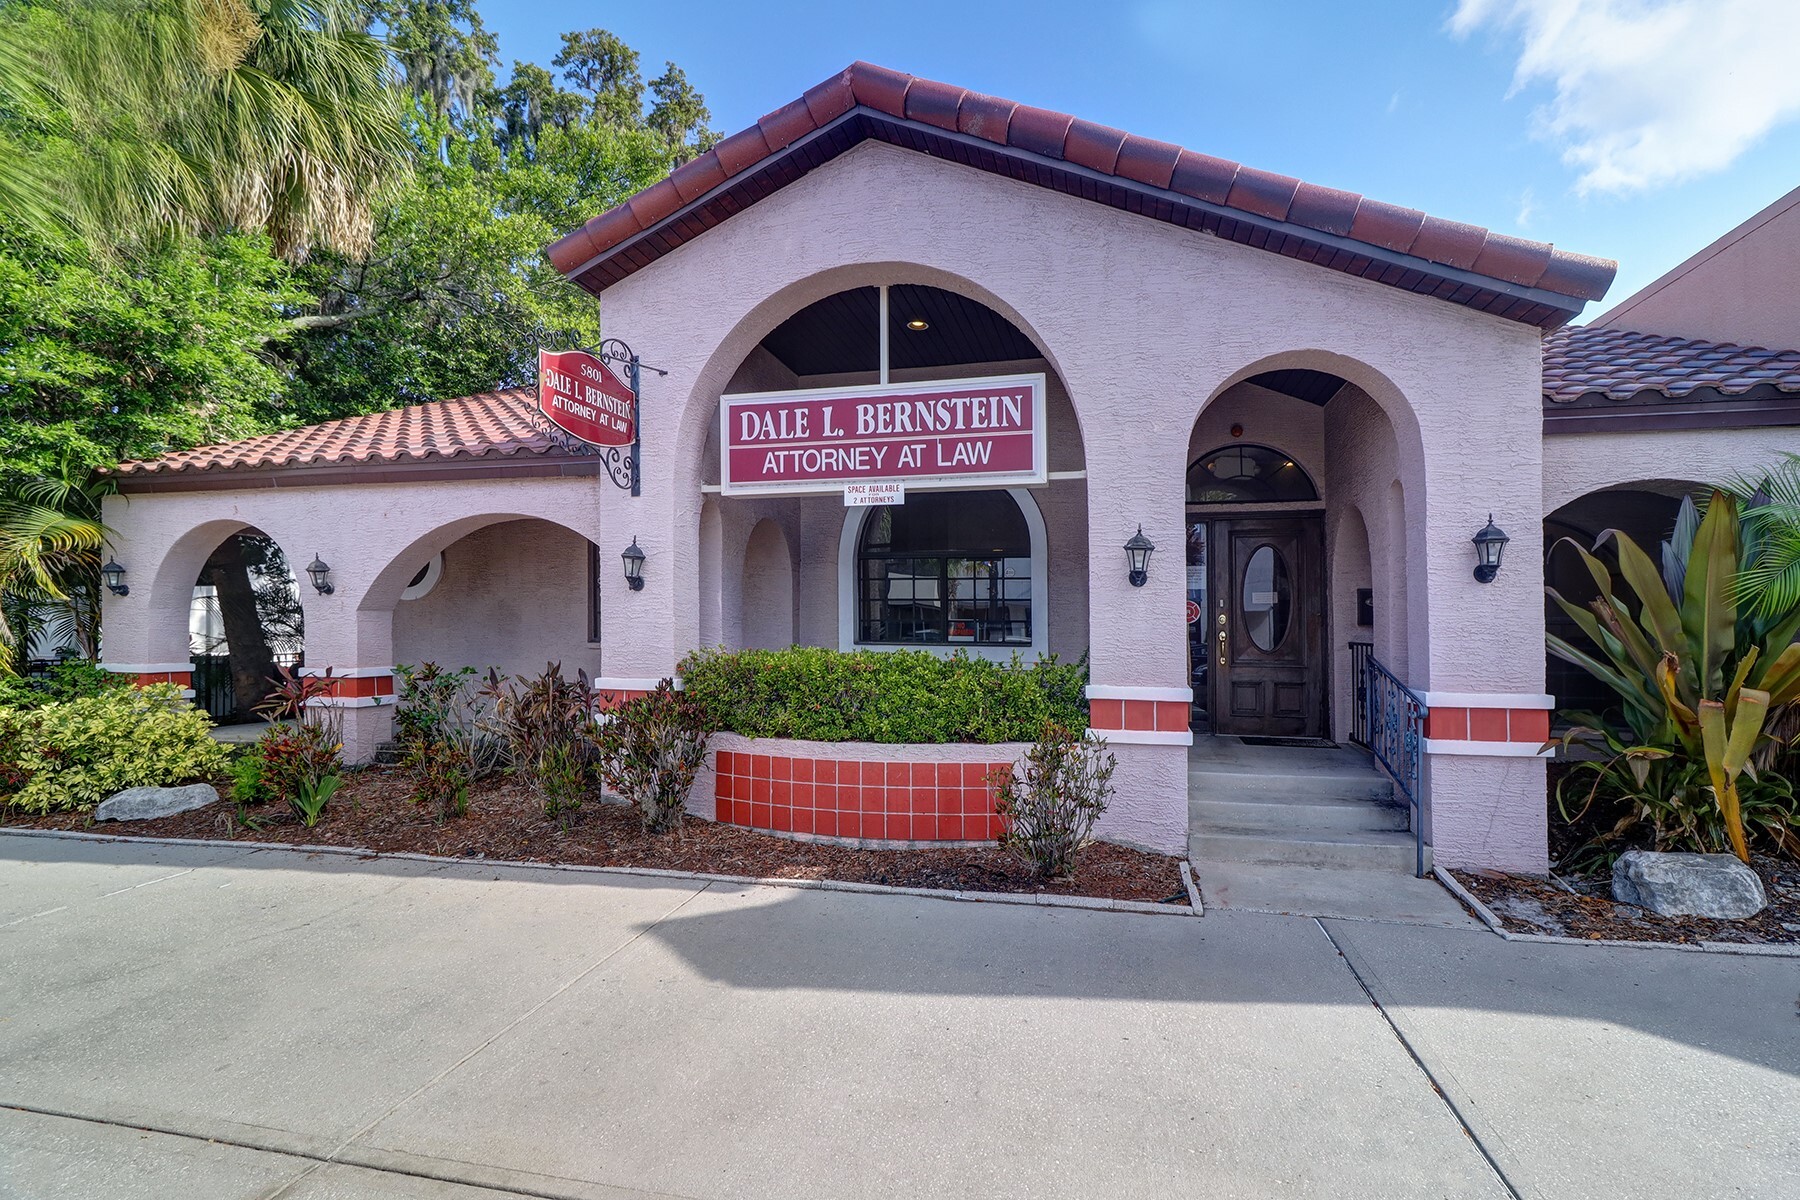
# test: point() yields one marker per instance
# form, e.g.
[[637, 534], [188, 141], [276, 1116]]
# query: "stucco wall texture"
[[1145, 331]]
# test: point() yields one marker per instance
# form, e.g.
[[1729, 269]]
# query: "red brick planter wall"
[[848, 792]]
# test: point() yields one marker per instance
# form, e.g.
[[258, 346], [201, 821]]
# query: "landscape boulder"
[[144, 803], [1688, 885]]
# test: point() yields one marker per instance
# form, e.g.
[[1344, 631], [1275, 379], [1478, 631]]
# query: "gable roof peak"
[[1522, 280]]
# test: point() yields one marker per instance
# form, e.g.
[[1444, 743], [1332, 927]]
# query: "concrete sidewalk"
[[200, 1022]]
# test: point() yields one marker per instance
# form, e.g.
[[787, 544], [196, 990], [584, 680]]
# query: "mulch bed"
[[1586, 909], [374, 811]]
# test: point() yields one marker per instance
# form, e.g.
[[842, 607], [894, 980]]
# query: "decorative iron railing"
[[214, 690], [1394, 719], [1360, 653]]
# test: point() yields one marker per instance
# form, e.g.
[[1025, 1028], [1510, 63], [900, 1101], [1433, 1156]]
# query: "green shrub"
[[1689, 760], [247, 783], [81, 751], [14, 774], [305, 746], [1047, 812], [883, 696], [544, 723], [75, 679], [651, 749], [439, 730]]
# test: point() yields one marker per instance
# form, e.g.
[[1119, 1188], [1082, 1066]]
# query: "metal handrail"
[[1395, 718], [1360, 653]]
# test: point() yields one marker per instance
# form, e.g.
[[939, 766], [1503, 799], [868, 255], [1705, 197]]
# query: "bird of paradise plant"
[[1702, 680]]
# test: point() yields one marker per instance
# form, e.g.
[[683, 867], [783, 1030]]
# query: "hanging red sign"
[[950, 433], [581, 397]]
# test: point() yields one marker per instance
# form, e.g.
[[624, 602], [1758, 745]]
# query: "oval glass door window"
[[1267, 599]]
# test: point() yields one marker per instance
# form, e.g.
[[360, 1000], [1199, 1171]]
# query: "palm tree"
[[1770, 580], [134, 118], [50, 544]]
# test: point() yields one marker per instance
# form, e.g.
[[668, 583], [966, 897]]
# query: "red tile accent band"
[[1488, 725], [612, 698], [861, 799], [184, 678], [358, 687], [1165, 716]]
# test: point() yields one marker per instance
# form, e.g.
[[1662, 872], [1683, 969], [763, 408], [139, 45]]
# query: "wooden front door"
[[1267, 633]]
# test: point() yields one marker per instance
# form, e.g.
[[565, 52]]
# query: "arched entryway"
[[244, 622], [513, 593], [1255, 560], [1645, 512], [1296, 545], [1025, 594]]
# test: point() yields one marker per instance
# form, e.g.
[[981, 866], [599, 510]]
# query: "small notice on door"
[[857, 494], [1264, 599]]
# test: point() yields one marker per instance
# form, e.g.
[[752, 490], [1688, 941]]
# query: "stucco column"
[[644, 633], [1139, 696], [357, 645], [1477, 649]]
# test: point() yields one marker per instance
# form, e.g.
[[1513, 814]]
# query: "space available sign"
[[580, 396], [963, 432]]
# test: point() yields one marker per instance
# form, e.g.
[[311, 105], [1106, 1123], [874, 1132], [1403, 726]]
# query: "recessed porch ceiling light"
[[918, 324]]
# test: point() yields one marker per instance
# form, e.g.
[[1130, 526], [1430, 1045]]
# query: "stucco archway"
[[723, 611], [515, 592]]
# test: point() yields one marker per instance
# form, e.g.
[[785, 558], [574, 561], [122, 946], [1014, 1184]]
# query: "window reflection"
[[946, 568]]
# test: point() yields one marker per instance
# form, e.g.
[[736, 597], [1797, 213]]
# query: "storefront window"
[[945, 568], [1245, 474]]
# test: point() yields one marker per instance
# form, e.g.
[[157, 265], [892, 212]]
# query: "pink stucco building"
[[1308, 401]]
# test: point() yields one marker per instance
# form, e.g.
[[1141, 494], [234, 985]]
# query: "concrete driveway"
[[210, 1022]]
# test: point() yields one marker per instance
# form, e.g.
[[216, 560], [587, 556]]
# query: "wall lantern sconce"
[[1490, 544], [1137, 554], [319, 571], [634, 566], [114, 575]]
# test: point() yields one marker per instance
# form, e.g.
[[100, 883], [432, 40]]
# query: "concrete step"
[[1364, 793], [1342, 784], [1288, 813], [1376, 849]]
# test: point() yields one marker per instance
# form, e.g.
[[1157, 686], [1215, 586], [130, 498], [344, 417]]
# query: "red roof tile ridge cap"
[[1455, 244]]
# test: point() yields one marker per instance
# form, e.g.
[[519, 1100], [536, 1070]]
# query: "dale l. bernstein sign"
[[945, 433], [580, 396]]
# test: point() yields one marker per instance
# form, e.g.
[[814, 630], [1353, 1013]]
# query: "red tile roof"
[[1582, 361], [1522, 280], [492, 424]]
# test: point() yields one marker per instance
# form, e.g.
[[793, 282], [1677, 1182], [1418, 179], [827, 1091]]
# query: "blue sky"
[[1633, 129]]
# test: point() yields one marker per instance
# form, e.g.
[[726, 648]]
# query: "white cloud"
[[1650, 92], [1527, 207]]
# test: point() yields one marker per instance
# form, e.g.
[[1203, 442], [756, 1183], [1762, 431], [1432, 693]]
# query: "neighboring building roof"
[[459, 437], [1619, 379], [1521, 280], [1738, 288]]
